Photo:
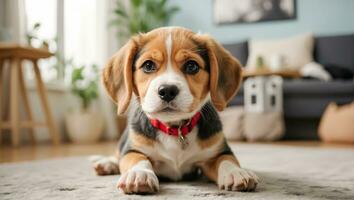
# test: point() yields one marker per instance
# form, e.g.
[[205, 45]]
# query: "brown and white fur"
[[206, 77]]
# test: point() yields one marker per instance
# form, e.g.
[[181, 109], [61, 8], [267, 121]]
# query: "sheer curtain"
[[44, 13], [89, 40], [87, 37]]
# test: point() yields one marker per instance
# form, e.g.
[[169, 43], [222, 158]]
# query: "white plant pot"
[[84, 127]]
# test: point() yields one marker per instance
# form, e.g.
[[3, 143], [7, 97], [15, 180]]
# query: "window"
[[80, 31], [44, 13], [76, 24]]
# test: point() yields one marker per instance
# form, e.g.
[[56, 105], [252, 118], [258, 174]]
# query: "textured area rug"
[[286, 173]]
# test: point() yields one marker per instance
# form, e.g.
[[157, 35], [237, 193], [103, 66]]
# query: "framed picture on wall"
[[249, 11]]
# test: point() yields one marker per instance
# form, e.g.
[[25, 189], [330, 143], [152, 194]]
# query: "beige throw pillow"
[[296, 51], [268, 126], [232, 119], [337, 123]]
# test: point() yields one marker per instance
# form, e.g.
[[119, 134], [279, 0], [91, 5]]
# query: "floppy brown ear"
[[225, 73], [117, 76]]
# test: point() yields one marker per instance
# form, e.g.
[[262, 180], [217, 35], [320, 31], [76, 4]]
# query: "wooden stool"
[[15, 54]]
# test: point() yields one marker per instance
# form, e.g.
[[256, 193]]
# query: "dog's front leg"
[[227, 173], [137, 175]]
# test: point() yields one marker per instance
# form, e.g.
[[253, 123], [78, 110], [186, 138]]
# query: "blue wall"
[[321, 17]]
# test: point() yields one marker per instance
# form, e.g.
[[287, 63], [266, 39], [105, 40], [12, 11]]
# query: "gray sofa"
[[306, 99]]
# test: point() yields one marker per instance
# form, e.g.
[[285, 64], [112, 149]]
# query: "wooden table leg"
[[2, 63], [43, 96], [27, 106], [14, 103]]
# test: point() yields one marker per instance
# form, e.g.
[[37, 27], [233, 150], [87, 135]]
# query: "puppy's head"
[[173, 72]]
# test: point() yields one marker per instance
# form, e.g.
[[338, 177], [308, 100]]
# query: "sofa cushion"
[[239, 50], [305, 98], [339, 72], [315, 87], [309, 98], [335, 51]]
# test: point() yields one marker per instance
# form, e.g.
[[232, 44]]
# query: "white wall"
[[322, 17]]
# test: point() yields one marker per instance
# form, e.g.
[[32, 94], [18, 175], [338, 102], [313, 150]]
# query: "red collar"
[[185, 129]]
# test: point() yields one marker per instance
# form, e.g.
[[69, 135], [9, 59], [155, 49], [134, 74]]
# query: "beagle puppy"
[[173, 81]]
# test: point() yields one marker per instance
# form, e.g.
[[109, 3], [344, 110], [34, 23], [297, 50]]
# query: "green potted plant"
[[32, 34], [84, 125], [260, 63], [141, 16]]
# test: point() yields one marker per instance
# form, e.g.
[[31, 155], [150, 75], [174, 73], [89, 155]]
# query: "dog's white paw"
[[139, 181], [105, 165], [231, 177]]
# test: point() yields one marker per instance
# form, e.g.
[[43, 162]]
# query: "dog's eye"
[[191, 67], [148, 66]]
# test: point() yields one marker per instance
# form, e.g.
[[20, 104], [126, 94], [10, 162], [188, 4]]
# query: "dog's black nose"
[[168, 92]]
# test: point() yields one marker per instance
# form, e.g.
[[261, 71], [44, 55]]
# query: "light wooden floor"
[[47, 151]]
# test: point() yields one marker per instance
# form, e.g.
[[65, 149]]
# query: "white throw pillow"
[[297, 51], [315, 70]]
